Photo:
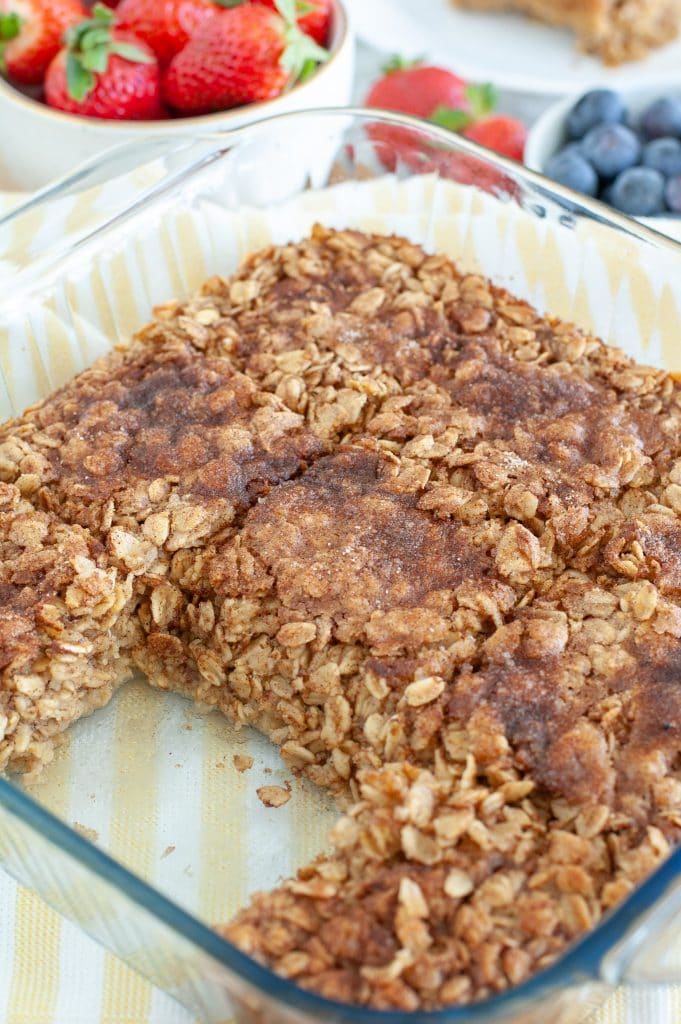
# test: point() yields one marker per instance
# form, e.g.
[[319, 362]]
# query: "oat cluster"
[[426, 540]]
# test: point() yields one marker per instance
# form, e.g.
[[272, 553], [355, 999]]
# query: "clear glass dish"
[[141, 830]]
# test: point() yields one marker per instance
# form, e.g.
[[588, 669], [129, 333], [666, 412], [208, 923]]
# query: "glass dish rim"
[[579, 964], [582, 960]]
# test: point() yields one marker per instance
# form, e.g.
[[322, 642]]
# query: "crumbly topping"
[[428, 542], [154, 449]]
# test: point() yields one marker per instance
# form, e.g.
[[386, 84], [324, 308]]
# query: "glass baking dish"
[[141, 830]]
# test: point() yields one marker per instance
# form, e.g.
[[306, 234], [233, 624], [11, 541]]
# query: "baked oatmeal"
[[614, 30], [425, 539], [64, 629]]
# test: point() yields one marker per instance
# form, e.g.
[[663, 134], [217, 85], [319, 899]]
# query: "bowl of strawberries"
[[77, 78]]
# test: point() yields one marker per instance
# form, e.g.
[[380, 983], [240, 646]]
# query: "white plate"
[[508, 49]]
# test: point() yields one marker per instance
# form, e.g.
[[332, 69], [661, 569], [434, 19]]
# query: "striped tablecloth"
[[50, 973]]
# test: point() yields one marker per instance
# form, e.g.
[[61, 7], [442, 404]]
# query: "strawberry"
[[418, 89], [504, 135], [423, 91], [444, 99], [31, 34], [105, 72], [314, 17], [165, 25], [468, 170], [244, 54]]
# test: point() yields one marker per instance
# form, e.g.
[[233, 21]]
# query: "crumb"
[[242, 763], [166, 853], [274, 796], [86, 832]]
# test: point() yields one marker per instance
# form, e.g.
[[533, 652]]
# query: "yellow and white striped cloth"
[[50, 973]]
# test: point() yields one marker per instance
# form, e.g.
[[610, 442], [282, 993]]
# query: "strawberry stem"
[[89, 46], [482, 99], [398, 63], [452, 119], [10, 27], [481, 102], [301, 54]]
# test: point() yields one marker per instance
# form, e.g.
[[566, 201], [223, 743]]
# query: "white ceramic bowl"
[[547, 136], [41, 144]]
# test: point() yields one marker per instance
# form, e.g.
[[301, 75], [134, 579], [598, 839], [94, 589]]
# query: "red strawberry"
[[422, 91], [242, 55], [31, 34], [166, 25], [417, 89], [314, 17], [105, 72], [469, 170], [504, 135]]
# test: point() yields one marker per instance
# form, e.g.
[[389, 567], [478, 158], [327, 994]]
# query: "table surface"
[[51, 973]]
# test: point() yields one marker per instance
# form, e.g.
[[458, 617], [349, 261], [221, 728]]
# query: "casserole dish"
[[142, 830]]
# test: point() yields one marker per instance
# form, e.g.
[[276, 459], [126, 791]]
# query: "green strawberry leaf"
[[89, 46], [131, 52], [287, 9], [79, 81], [103, 14], [94, 37], [398, 63], [453, 120], [103, 18], [307, 70], [482, 98], [299, 50], [10, 26], [94, 59]]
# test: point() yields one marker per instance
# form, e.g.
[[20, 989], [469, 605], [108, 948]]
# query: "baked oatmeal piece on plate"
[[614, 30]]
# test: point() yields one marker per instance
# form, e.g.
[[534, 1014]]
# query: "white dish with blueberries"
[[622, 148]]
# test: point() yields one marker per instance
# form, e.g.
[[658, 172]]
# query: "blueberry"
[[663, 117], [570, 168], [663, 155], [638, 191], [611, 148], [600, 106], [672, 194]]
